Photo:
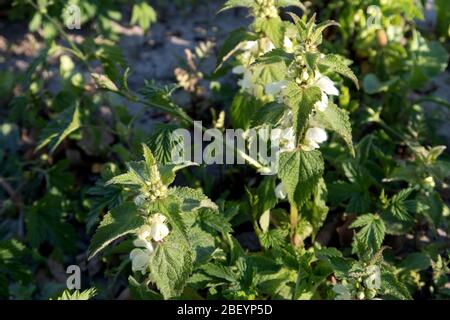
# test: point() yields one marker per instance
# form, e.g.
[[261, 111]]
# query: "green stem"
[[294, 222]]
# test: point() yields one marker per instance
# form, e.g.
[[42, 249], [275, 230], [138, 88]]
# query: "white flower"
[[267, 45], [280, 191], [141, 256], [275, 88], [328, 88], [239, 70], [285, 137], [250, 46], [246, 82], [313, 137], [373, 281], [288, 45], [144, 238], [286, 121], [159, 229], [139, 259]]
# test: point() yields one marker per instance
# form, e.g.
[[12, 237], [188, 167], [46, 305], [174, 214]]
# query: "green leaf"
[[237, 3], [337, 64], [427, 60], [143, 15], [290, 3], [168, 171], [78, 295], [214, 220], [337, 120], [316, 36], [266, 199], [160, 98], [13, 265], [60, 128], [220, 272], [46, 222], [232, 44], [171, 264], [302, 102], [192, 199], [300, 172], [316, 211], [372, 231], [243, 109], [372, 84], [416, 261], [393, 287], [270, 114], [138, 175], [273, 28], [269, 68], [400, 207], [434, 212], [162, 143], [118, 222], [273, 238]]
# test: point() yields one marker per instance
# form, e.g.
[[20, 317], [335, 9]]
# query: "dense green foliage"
[[356, 210]]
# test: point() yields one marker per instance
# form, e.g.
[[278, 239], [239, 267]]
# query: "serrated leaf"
[[372, 230], [213, 219], [302, 102], [171, 264], [45, 222], [273, 29], [60, 128], [192, 199], [273, 238], [300, 172], [160, 98], [337, 120], [400, 207], [78, 295], [337, 64], [392, 286], [118, 222], [219, 271], [162, 143], [269, 71]]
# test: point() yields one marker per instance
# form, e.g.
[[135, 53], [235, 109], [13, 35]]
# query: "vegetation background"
[[64, 134]]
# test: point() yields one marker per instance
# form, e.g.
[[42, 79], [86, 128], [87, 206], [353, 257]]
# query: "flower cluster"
[[265, 9], [154, 188], [314, 136], [148, 236], [299, 74]]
